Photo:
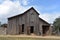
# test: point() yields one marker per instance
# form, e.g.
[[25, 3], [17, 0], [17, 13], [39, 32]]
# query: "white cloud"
[[25, 2], [9, 8], [4, 7], [49, 17]]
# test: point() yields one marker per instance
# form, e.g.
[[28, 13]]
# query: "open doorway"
[[31, 29], [45, 29], [22, 28]]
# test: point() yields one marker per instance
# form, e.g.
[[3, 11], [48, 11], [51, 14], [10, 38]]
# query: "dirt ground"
[[32, 36]]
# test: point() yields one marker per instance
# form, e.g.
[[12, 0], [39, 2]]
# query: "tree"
[[56, 25]]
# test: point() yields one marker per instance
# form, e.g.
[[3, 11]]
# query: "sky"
[[49, 10]]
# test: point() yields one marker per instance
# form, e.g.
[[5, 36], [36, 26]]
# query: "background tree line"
[[56, 26]]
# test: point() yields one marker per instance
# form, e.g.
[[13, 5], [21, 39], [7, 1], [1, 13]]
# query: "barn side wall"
[[30, 18]]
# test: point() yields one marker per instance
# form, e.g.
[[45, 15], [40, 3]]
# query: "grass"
[[25, 38]]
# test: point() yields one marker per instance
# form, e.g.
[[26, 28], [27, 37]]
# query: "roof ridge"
[[24, 12]]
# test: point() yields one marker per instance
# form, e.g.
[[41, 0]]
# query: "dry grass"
[[26, 37]]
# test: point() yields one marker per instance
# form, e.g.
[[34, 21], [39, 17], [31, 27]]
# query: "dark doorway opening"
[[22, 28], [45, 29], [31, 29]]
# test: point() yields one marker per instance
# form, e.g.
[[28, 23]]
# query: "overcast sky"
[[48, 9]]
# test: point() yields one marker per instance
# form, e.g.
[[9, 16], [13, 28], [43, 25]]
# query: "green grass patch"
[[25, 38]]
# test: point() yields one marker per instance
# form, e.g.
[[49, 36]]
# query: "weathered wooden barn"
[[28, 23]]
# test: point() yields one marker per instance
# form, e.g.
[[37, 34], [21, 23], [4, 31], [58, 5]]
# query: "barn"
[[28, 23]]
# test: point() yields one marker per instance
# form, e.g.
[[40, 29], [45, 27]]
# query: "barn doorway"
[[31, 29], [22, 28], [45, 29]]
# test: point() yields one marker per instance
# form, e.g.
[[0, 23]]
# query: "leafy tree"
[[56, 25]]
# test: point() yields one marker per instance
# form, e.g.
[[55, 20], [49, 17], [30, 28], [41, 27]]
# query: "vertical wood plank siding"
[[30, 18]]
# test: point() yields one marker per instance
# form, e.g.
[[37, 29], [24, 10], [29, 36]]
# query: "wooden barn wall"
[[41, 23], [12, 26], [27, 19], [32, 21], [30, 18]]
